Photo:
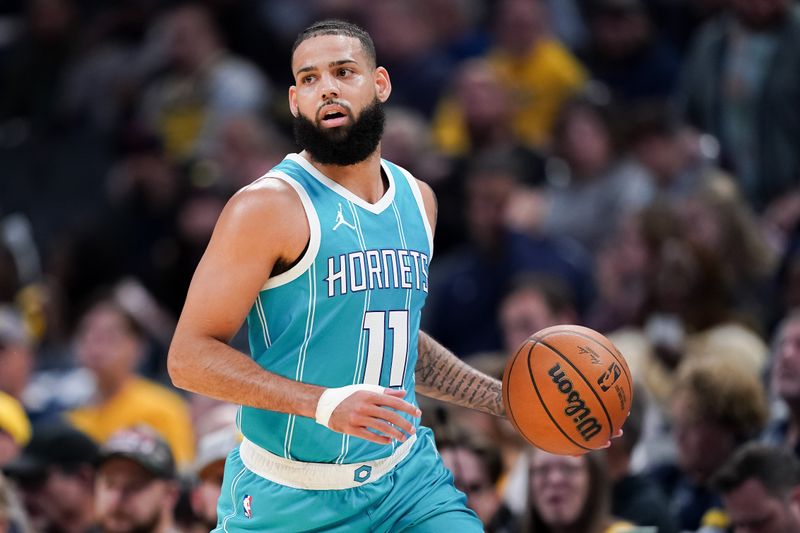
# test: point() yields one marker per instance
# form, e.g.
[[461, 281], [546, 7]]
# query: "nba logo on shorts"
[[246, 502]]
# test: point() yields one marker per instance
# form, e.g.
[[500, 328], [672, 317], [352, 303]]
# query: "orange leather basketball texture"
[[567, 390]]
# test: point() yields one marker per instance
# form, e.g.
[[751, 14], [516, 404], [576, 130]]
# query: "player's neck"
[[363, 179]]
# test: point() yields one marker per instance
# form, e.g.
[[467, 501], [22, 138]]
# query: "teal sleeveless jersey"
[[348, 312]]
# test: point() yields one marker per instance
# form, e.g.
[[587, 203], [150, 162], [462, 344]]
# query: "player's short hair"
[[338, 27], [777, 469]]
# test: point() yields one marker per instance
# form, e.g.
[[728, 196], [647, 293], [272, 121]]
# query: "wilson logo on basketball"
[[586, 424]]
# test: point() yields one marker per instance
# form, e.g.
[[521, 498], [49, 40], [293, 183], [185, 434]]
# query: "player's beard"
[[344, 145]]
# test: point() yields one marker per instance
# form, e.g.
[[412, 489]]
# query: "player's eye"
[[344, 72], [307, 79]]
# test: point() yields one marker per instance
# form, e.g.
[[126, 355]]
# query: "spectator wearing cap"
[[55, 475], [212, 450], [111, 344], [760, 486], [135, 487], [15, 428]]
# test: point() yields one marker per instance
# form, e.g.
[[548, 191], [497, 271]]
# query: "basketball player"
[[327, 257]]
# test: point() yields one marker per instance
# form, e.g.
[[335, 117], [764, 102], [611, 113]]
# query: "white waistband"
[[318, 476]]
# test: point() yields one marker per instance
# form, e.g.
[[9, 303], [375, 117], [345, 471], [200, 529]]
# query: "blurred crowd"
[[629, 165]]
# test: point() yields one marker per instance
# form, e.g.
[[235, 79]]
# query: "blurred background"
[[629, 165]]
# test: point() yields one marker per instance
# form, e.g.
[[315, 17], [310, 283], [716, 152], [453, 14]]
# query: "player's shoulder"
[[426, 190], [266, 188], [267, 198]]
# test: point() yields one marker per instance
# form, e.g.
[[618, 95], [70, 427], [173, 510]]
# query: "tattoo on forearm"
[[443, 376]]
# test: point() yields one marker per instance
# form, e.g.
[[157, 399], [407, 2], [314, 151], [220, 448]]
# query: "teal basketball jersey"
[[347, 313]]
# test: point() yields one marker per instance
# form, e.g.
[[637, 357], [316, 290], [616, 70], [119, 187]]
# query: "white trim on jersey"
[[315, 234], [376, 208], [412, 182], [362, 346], [234, 503], [404, 244], [262, 318]]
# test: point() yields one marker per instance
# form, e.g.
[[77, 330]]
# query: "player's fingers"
[[370, 436], [391, 417], [617, 434], [396, 403], [386, 429]]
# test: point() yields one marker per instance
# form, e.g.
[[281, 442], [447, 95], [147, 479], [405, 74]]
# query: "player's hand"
[[617, 434], [363, 413]]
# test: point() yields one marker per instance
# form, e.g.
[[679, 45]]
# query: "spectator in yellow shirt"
[[538, 72], [110, 343]]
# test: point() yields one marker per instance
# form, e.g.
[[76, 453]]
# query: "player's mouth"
[[333, 116]]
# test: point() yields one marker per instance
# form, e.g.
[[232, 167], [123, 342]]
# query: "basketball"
[[567, 390]]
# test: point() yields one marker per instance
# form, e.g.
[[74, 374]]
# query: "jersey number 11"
[[376, 324]]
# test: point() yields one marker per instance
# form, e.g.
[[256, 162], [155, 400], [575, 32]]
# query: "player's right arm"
[[263, 227]]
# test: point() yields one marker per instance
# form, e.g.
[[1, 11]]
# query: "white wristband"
[[331, 399]]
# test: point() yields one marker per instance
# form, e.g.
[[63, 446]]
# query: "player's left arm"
[[441, 374]]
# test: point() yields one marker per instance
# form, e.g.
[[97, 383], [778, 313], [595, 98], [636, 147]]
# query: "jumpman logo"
[[341, 221]]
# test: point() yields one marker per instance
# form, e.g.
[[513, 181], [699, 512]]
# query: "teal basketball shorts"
[[415, 495]]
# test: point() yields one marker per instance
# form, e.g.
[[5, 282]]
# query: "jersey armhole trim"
[[412, 183], [314, 234]]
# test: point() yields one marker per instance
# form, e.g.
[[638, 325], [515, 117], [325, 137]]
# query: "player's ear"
[[293, 101], [383, 85]]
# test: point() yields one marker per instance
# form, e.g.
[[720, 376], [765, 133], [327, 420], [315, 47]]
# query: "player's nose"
[[330, 87]]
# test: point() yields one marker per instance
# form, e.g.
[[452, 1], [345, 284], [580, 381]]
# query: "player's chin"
[[335, 133]]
